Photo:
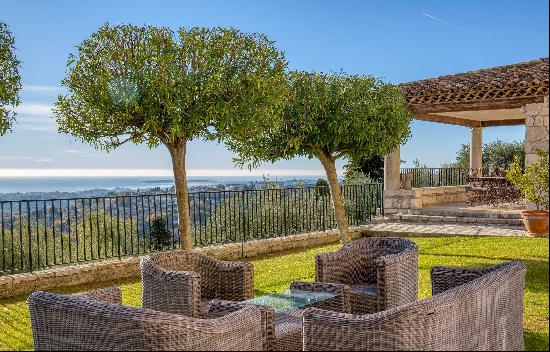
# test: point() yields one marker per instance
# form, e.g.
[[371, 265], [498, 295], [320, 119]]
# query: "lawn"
[[275, 272]]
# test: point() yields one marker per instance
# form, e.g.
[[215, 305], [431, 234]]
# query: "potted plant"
[[533, 184]]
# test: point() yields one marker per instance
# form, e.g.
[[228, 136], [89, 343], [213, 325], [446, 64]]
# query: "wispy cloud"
[[455, 26], [35, 117], [72, 151], [41, 89], [35, 110], [51, 127], [25, 158]]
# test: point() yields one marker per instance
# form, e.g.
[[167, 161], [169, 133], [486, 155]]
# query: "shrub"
[[161, 238], [533, 182]]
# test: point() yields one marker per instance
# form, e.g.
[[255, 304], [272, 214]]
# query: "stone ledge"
[[117, 269]]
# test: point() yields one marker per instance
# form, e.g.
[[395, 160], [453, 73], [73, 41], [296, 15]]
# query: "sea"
[[79, 184]]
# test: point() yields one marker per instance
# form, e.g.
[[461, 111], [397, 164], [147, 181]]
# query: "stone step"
[[466, 213], [456, 219]]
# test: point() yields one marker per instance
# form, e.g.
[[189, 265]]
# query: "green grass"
[[275, 272]]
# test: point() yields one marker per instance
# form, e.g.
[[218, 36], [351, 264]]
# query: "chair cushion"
[[365, 289]]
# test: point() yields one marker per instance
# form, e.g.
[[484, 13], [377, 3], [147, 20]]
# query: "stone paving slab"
[[395, 228]]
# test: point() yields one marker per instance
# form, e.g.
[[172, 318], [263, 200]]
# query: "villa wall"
[[118, 269], [399, 201]]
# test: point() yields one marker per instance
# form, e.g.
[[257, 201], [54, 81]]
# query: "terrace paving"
[[453, 220], [399, 228]]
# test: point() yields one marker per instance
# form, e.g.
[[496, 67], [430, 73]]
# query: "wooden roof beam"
[[487, 104], [509, 122], [449, 120]]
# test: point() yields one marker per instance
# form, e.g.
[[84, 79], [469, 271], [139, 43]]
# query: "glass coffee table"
[[282, 312], [288, 307], [290, 300]]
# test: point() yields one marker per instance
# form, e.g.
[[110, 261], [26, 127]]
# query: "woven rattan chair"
[[284, 330], [95, 322], [382, 272], [470, 310], [183, 282]]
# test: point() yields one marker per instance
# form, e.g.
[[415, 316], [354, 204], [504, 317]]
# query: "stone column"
[[392, 167], [536, 132], [536, 129], [476, 148]]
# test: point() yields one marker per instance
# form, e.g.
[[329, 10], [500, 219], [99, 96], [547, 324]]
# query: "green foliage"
[[93, 237], [371, 167], [10, 80], [279, 212], [161, 238], [337, 113], [145, 84], [533, 182], [495, 154], [322, 188]]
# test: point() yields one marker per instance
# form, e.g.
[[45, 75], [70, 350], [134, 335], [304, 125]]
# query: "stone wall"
[[117, 269], [441, 195], [399, 201], [536, 131]]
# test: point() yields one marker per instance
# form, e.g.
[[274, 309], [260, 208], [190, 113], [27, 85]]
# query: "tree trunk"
[[177, 151], [336, 196]]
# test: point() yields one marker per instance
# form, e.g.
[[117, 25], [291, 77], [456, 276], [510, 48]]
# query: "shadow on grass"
[[535, 340], [77, 288]]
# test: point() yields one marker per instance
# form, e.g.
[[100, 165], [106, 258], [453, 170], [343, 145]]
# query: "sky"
[[398, 41]]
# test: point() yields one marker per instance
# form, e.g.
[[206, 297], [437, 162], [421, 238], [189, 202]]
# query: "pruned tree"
[[147, 85], [330, 116], [10, 80]]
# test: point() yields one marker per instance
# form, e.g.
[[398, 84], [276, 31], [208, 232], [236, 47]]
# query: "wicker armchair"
[[470, 310], [91, 322], [284, 330], [183, 282], [382, 272]]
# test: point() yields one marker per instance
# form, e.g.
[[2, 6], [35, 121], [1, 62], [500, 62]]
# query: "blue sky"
[[398, 41]]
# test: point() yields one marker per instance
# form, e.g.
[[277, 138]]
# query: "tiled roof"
[[522, 82]]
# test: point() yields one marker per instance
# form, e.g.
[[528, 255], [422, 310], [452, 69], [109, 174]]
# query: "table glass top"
[[291, 299]]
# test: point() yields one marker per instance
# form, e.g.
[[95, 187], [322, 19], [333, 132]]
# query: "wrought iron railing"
[[37, 234], [435, 177]]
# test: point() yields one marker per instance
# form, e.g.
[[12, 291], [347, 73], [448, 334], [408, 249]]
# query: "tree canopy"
[[330, 116], [370, 167], [146, 84], [497, 153], [340, 114], [10, 80]]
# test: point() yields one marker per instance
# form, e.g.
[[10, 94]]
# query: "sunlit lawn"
[[275, 272]]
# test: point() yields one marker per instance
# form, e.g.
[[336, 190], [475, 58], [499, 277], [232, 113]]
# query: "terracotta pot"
[[536, 222]]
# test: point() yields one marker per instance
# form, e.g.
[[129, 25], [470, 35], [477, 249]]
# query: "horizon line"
[[28, 173]]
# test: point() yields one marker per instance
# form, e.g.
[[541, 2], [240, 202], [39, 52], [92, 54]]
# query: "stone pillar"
[[476, 148], [536, 132], [536, 129], [392, 168]]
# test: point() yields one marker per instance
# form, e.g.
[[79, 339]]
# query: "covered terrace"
[[508, 95]]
